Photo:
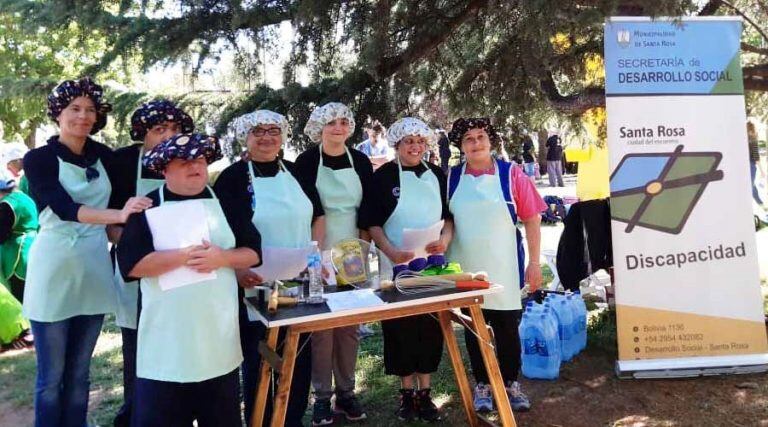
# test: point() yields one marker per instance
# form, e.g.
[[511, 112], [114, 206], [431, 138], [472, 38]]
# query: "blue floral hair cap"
[[462, 126], [66, 92], [155, 112], [185, 146]]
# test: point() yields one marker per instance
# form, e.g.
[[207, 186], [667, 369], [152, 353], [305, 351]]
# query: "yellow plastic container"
[[573, 154]]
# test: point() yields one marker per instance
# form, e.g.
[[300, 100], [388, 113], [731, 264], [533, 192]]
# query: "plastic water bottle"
[[538, 340], [580, 320], [315, 270], [564, 328]]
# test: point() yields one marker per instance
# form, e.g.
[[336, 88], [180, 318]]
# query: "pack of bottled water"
[[552, 332]]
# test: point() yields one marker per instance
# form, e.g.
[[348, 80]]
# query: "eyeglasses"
[[269, 131]]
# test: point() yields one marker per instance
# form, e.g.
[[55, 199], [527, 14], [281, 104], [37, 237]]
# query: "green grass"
[[378, 392], [17, 371]]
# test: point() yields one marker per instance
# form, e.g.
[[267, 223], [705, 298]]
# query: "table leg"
[[260, 404], [290, 350], [492, 367], [458, 366]]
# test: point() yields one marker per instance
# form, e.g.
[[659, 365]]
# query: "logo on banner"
[[660, 190], [623, 38]]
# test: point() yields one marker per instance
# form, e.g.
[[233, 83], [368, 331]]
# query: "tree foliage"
[[521, 62]]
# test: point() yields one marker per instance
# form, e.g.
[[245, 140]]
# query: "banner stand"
[[692, 366], [686, 278]]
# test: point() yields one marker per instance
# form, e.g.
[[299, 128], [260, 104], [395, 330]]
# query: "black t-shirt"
[[136, 241], [385, 192], [308, 161], [7, 218], [41, 167], [233, 184], [125, 162], [554, 149]]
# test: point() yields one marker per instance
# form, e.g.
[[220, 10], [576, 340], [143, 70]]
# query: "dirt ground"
[[588, 393]]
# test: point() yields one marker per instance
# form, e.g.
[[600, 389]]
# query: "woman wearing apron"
[[188, 336], [66, 297], [342, 177], [288, 215], [486, 198], [151, 124], [410, 193]]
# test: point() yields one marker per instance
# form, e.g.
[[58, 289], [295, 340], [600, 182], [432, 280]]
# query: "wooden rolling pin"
[[425, 280]]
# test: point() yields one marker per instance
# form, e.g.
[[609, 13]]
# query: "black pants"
[[17, 288], [504, 324], [412, 345], [213, 403], [251, 333], [123, 417]]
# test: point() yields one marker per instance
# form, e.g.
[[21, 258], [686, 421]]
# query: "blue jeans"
[[64, 351], [530, 169], [752, 175]]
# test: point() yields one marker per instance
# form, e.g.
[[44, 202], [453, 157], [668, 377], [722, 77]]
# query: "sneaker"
[[321, 413], [407, 409], [427, 409], [351, 408], [483, 399], [517, 398]]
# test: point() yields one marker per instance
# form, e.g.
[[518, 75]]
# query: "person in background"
[[529, 160], [13, 157], [486, 197], [151, 124], [343, 180], [444, 149], [188, 350], [409, 193], [69, 284], [288, 215], [754, 161], [555, 161], [18, 227], [375, 146]]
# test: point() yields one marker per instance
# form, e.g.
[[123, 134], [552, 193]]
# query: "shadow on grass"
[[18, 370]]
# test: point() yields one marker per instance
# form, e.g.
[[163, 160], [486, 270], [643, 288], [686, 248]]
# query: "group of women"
[[183, 347]]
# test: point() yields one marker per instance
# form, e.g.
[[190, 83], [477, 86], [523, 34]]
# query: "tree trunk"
[[29, 141], [542, 150]]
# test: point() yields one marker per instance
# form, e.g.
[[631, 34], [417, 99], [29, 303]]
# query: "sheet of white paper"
[[175, 226], [416, 240], [282, 263], [348, 300], [328, 266]]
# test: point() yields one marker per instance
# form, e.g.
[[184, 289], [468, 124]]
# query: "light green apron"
[[341, 194], [15, 250], [281, 212], [128, 293], [70, 273], [485, 238], [419, 205], [191, 333]]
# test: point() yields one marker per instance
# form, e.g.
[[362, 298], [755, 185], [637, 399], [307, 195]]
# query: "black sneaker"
[[427, 409], [407, 409], [321, 413], [350, 407]]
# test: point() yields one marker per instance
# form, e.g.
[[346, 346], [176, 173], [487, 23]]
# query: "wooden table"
[[309, 318]]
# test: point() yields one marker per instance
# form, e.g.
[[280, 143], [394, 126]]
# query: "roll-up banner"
[[688, 294]]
